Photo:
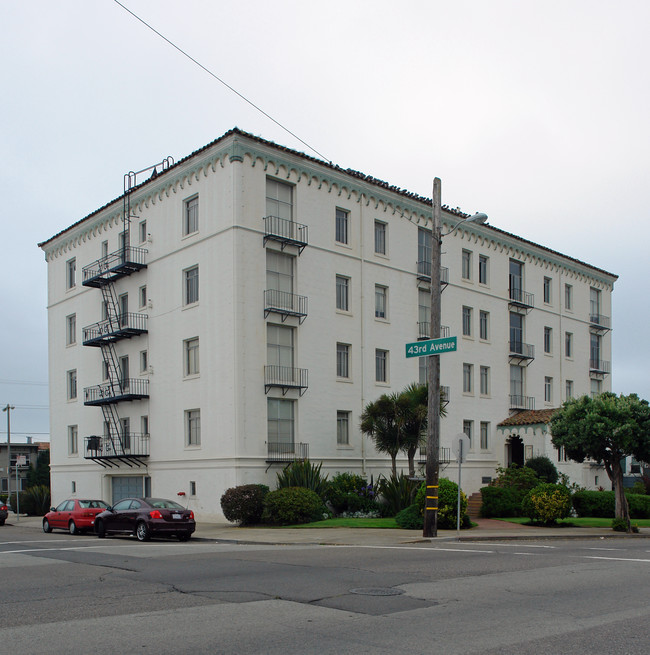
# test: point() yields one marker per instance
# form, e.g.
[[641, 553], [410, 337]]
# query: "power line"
[[25, 382], [216, 77]]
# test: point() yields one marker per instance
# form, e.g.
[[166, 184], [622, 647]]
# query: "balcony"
[[124, 326], [524, 352], [110, 393], [286, 452], [109, 451], [521, 402], [285, 232], [444, 456], [599, 323], [599, 367], [424, 331], [519, 298], [114, 266], [424, 272], [285, 377], [285, 304]]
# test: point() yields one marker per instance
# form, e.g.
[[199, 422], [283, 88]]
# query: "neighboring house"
[[29, 451], [256, 299]]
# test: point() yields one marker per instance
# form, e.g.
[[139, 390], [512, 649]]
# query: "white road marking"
[[616, 559]]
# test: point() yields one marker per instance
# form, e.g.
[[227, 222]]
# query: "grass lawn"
[[587, 522], [349, 523]]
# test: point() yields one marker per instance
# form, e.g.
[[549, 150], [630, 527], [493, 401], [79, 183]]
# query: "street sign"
[[431, 347]]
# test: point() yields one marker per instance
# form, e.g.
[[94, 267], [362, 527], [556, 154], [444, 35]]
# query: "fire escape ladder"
[[113, 429], [112, 306], [115, 377]]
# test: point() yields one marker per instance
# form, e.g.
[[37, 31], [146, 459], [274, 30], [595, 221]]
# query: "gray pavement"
[[486, 529]]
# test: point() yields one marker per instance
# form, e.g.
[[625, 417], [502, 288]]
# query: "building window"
[[595, 342], [569, 389], [142, 296], [568, 344], [381, 301], [191, 216], [104, 249], [485, 380], [191, 277], [342, 292], [483, 325], [568, 296], [72, 384], [467, 321], [548, 390], [424, 252], [342, 360], [280, 421], [596, 387], [380, 238], [342, 219], [73, 445], [594, 304], [516, 333], [144, 425], [144, 361], [71, 329], [483, 263], [468, 373], [561, 455], [548, 340], [279, 199], [468, 429], [73, 487], [192, 487], [279, 345], [342, 428], [71, 273], [547, 290], [485, 435], [466, 265], [517, 382], [142, 226], [279, 278], [193, 427], [381, 365], [191, 356], [516, 280]]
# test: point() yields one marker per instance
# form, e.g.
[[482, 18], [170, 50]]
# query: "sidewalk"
[[486, 530]]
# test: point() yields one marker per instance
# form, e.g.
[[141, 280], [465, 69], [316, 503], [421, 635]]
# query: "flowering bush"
[[244, 504], [547, 503], [349, 493]]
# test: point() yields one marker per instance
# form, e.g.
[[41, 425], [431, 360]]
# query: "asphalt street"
[[63, 593]]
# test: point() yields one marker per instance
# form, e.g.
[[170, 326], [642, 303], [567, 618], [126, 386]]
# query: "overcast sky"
[[535, 112]]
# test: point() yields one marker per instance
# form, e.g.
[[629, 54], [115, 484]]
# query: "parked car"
[[146, 518], [75, 515], [4, 512]]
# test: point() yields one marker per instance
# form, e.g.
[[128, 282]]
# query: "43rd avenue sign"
[[431, 347]]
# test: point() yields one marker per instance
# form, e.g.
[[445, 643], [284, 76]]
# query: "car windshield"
[[93, 504], [161, 503]]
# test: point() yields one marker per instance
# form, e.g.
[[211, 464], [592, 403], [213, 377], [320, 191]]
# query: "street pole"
[[433, 376], [8, 409]]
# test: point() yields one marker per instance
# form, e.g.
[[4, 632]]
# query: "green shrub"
[[544, 468], [349, 492], [594, 503], [244, 504], [638, 487], [302, 473], [500, 502], [447, 504], [410, 518], [547, 503], [34, 501], [620, 525], [520, 479], [292, 505], [639, 505], [397, 493]]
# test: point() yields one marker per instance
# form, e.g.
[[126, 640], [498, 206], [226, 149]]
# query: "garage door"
[[126, 486]]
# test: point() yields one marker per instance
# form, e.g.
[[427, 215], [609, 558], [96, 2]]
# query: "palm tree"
[[379, 420]]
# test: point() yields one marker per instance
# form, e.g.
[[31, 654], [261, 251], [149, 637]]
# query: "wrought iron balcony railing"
[[123, 326], [110, 393], [285, 231], [286, 377], [521, 350], [521, 402], [131, 444], [118, 264], [424, 272], [444, 456], [287, 304], [600, 322], [424, 331], [286, 452], [521, 298], [599, 366]]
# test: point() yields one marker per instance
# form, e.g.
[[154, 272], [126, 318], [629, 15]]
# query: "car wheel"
[[184, 536], [142, 532], [46, 526], [100, 529], [72, 528], [2, 521]]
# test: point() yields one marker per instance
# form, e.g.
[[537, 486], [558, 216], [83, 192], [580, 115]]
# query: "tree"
[[607, 428], [379, 421], [40, 474]]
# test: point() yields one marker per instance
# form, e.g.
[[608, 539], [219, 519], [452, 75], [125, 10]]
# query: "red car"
[[146, 518], [4, 512], [75, 515]]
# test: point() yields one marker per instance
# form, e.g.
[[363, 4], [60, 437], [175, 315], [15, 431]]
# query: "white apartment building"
[[256, 299]]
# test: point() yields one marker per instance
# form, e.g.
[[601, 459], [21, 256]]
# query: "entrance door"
[[516, 451], [127, 486]]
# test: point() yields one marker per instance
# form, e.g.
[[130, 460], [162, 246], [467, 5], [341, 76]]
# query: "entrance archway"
[[515, 448]]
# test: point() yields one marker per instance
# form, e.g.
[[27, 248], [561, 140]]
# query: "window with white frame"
[[342, 293], [125, 432], [191, 285], [468, 374], [342, 428], [104, 249], [547, 290], [485, 435], [144, 361], [484, 325], [380, 237], [72, 384], [381, 365], [381, 301], [569, 389], [142, 296], [594, 304], [144, 424], [71, 273], [568, 296], [192, 427], [191, 356], [467, 321], [279, 199], [142, 231], [424, 252], [341, 228], [343, 360], [191, 216], [279, 345], [73, 438], [483, 269], [548, 340], [466, 265], [279, 272], [568, 344], [484, 378], [468, 429], [280, 421], [548, 389], [424, 314], [71, 329], [517, 383], [596, 387]]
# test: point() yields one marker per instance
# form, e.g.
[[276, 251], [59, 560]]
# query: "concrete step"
[[474, 503]]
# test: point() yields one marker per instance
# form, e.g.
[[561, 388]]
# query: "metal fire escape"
[[117, 444]]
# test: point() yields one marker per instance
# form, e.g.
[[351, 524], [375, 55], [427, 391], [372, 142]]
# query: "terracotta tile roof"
[[529, 417]]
